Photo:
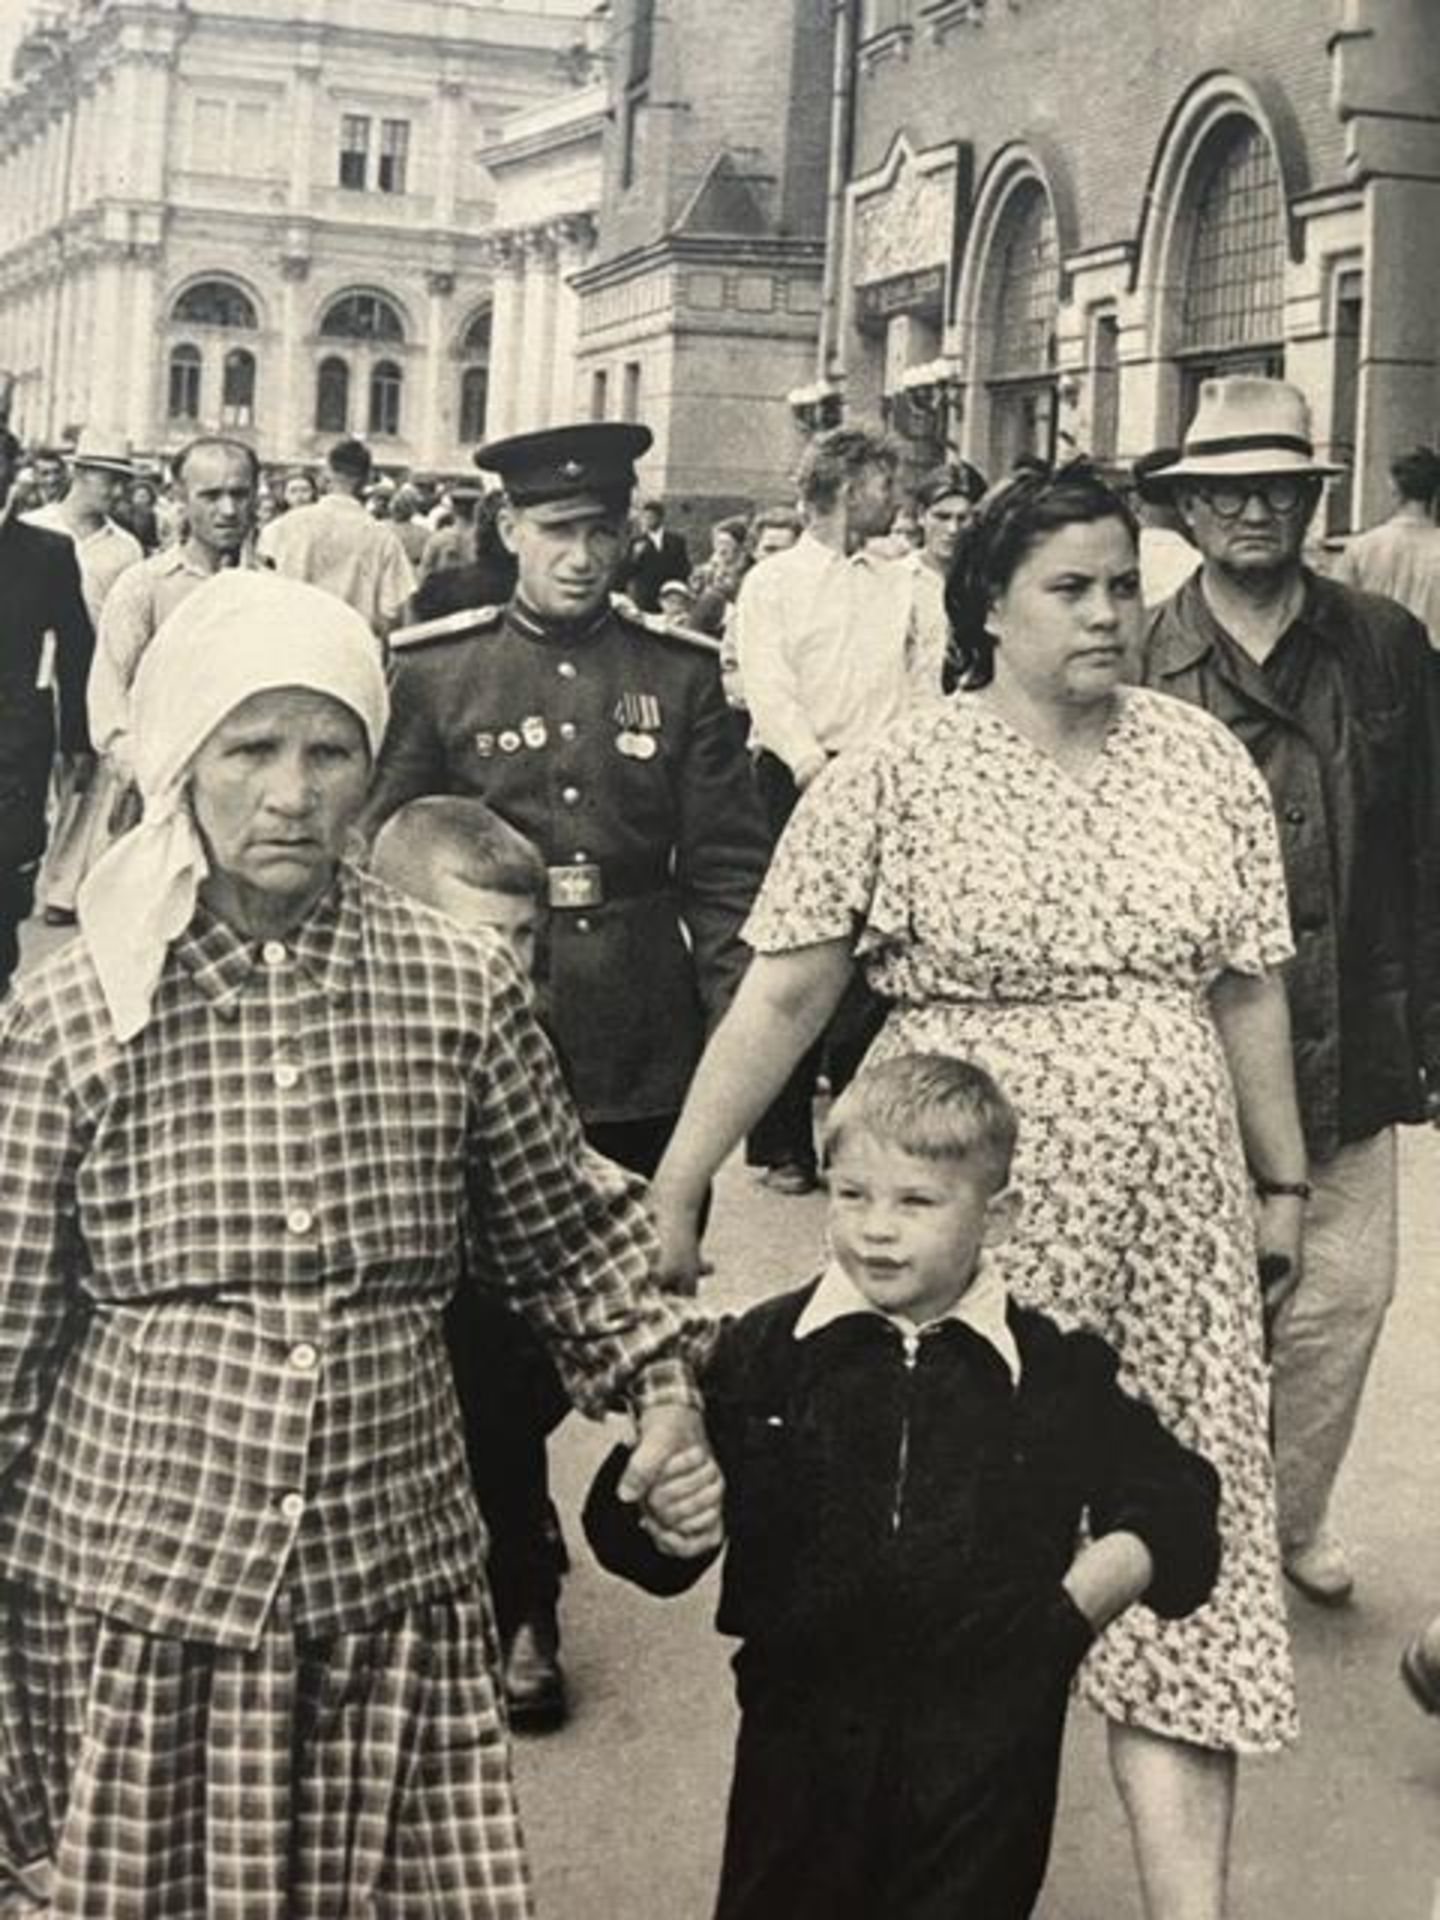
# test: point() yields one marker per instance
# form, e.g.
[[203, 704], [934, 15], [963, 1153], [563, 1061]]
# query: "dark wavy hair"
[[1010, 521]]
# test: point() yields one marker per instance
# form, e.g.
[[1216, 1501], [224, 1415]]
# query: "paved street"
[[625, 1807]]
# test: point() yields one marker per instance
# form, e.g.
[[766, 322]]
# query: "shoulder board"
[[448, 626], [685, 636]]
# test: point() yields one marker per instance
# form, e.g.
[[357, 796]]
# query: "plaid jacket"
[[225, 1247]]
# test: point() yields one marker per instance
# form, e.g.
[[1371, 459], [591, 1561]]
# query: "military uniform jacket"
[[611, 748], [39, 594]]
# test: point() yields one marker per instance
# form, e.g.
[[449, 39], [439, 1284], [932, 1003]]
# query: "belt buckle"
[[578, 885]]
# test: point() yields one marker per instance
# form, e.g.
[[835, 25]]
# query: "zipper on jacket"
[[910, 1344]]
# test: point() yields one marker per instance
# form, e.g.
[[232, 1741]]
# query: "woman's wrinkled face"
[[1067, 625], [275, 790]]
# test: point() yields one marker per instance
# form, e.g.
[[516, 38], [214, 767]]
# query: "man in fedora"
[[1333, 692], [608, 744]]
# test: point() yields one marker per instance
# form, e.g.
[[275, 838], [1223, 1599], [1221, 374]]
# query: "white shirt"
[[1401, 559], [102, 555], [337, 545], [981, 1308], [821, 642]]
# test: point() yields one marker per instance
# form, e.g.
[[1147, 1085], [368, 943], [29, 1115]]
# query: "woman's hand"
[[678, 1225]]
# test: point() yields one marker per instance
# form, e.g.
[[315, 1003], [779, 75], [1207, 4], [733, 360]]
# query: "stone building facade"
[[699, 310], [270, 216], [1060, 218]]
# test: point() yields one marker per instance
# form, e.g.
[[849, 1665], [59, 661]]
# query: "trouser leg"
[[17, 897], [1326, 1334]]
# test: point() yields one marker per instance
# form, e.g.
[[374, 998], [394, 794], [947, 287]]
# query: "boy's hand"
[[673, 1474]]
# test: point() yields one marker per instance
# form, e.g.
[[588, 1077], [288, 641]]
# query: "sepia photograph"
[[719, 960]]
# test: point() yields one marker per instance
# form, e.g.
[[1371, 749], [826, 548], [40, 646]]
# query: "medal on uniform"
[[533, 730], [636, 746], [638, 717], [510, 741], [485, 745]]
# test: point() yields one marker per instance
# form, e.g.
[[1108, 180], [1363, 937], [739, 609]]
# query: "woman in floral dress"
[[1078, 884]]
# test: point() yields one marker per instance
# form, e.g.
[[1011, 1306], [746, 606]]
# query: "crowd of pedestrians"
[[457, 887]]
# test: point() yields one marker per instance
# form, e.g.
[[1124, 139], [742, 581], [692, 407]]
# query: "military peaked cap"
[[592, 457]]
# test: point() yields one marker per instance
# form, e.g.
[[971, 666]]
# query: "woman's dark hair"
[[955, 476], [1012, 519]]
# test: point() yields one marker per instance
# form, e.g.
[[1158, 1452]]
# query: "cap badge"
[[572, 470]]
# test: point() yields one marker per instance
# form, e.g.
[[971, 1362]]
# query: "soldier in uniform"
[[39, 595], [609, 745]]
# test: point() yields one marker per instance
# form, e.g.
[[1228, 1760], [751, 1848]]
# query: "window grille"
[[332, 397], [385, 383], [394, 155], [354, 149], [1234, 286], [215, 303], [183, 401], [361, 316], [1029, 287]]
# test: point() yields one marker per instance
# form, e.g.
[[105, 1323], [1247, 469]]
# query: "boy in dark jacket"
[[908, 1458]]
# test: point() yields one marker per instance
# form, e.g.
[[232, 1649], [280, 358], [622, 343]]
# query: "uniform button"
[[273, 953], [566, 669], [293, 1505], [580, 857], [1295, 815], [299, 1220], [567, 729], [287, 1076], [582, 925], [570, 795], [304, 1358]]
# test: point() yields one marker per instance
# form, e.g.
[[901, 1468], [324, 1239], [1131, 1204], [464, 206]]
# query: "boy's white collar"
[[981, 1308]]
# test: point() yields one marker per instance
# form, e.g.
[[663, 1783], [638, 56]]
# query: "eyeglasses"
[[1281, 493]]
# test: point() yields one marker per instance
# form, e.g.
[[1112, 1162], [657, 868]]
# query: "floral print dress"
[[1065, 933]]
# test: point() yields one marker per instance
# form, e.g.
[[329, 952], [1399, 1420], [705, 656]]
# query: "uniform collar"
[[982, 1309], [326, 945], [538, 626]]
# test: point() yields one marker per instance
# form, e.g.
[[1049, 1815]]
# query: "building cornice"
[[688, 249]]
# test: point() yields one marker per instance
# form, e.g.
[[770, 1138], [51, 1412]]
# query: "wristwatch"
[[1281, 1189]]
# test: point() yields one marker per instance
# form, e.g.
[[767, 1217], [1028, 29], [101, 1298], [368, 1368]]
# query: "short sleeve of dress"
[[1257, 928], [838, 872]]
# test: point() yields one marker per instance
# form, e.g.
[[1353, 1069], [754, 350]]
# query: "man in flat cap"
[[608, 745], [1334, 693]]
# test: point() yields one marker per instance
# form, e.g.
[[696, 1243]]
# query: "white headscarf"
[[241, 633]]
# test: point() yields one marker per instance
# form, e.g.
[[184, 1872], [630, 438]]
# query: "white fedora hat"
[[95, 448], [1245, 425]]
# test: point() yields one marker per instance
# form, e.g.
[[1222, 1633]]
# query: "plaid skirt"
[[366, 1775]]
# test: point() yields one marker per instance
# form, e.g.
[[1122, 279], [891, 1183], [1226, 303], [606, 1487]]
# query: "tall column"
[[448, 159], [532, 392], [304, 108], [147, 363], [575, 240], [507, 327], [290, 421], [431, 437]]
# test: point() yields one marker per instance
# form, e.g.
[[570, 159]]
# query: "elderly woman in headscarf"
[[248, 1664]]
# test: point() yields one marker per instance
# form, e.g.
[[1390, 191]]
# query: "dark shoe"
[[534, 1678], [1420, 1676], [792, 1178]]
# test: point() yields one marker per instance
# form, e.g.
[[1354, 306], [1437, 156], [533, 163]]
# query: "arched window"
[[475, 377], [332, 397], [1021, 304], [216, 303], [183, 402], [237, 389], [1234, 279], [361, 316], [385, 383], [1028, 289]]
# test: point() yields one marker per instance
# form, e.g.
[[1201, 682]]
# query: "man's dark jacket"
[[646, 567], [39, 594], [1359, 832]]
